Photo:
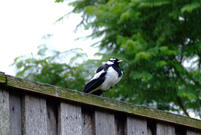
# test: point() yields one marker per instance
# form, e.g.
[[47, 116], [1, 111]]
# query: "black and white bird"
[[106, 77]]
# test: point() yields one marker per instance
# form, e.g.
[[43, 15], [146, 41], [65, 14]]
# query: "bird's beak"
[[120, 61]]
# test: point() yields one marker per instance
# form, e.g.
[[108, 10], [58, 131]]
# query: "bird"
[[106, 77]]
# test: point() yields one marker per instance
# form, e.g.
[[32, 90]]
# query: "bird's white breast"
[[111, 79]]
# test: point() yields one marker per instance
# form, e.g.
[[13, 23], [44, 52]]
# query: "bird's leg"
[[103, 94]]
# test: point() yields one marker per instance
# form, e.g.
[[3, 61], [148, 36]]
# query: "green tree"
[[65, 69], [155, 38]]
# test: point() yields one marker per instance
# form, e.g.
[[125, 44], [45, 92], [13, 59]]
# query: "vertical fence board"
[[70, 119], [120, 122], [88, 121], [136, 126], [149, 131], [189, 132], [35, 116], [151, 127], [104, 123], [15, 114], [164, 129], [4, 112], [87, 124], [52, 118]]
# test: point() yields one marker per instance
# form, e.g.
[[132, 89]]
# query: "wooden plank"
[[120, 123], [104, 123], [52, 113], [151, 127], [101, 102], [190, 132], [2, 77], [164, 129], [136, 126], [4, 112], [149, 131], [15, 114], [35, 116], [88, 125], [70, 120]]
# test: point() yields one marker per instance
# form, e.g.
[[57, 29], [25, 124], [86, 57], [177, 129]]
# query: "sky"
[[25, 23]]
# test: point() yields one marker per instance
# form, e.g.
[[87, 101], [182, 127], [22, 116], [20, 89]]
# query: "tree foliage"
[[65, 69], [160, 42], [155, 38]]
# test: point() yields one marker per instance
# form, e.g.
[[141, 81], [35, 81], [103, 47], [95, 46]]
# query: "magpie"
[[106, 77]]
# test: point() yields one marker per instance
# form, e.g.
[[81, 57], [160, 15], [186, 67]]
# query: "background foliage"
[[159, 40], [65, 69]]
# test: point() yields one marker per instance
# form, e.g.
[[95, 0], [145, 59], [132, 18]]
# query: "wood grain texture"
[[164, 129], [104, 123], [15, 114], [52, 119], [38, 119], [35, 116], [70, 120], [4, 112], [190, 132], [104, 103], [136, 126], [120, 123], [88, 125]]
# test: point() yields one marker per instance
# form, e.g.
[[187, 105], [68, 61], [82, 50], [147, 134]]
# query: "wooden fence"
[[30, 108]]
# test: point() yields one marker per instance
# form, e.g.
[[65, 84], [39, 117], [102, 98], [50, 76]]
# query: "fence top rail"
[[101, 102]]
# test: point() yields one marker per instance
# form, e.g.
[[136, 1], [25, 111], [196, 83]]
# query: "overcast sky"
[[23, 23]]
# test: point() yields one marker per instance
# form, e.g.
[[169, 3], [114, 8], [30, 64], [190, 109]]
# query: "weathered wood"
[[190, 132], [136, 126], [104, 123], [151, 127], [15, 114], [164, 129], [105, 103], [4, 112], [52, 119], [70, 120], [149, 131], [120, 123], [35, 116], [2, 77], [31, 115], [31, 86], [88, 124]]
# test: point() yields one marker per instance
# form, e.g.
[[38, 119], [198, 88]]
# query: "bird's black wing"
[[103, 67], [95, 83]]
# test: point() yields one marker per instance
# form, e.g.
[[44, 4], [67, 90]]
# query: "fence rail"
[[30, 108]]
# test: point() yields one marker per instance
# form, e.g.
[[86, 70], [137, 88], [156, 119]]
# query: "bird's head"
[[114, 61]]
